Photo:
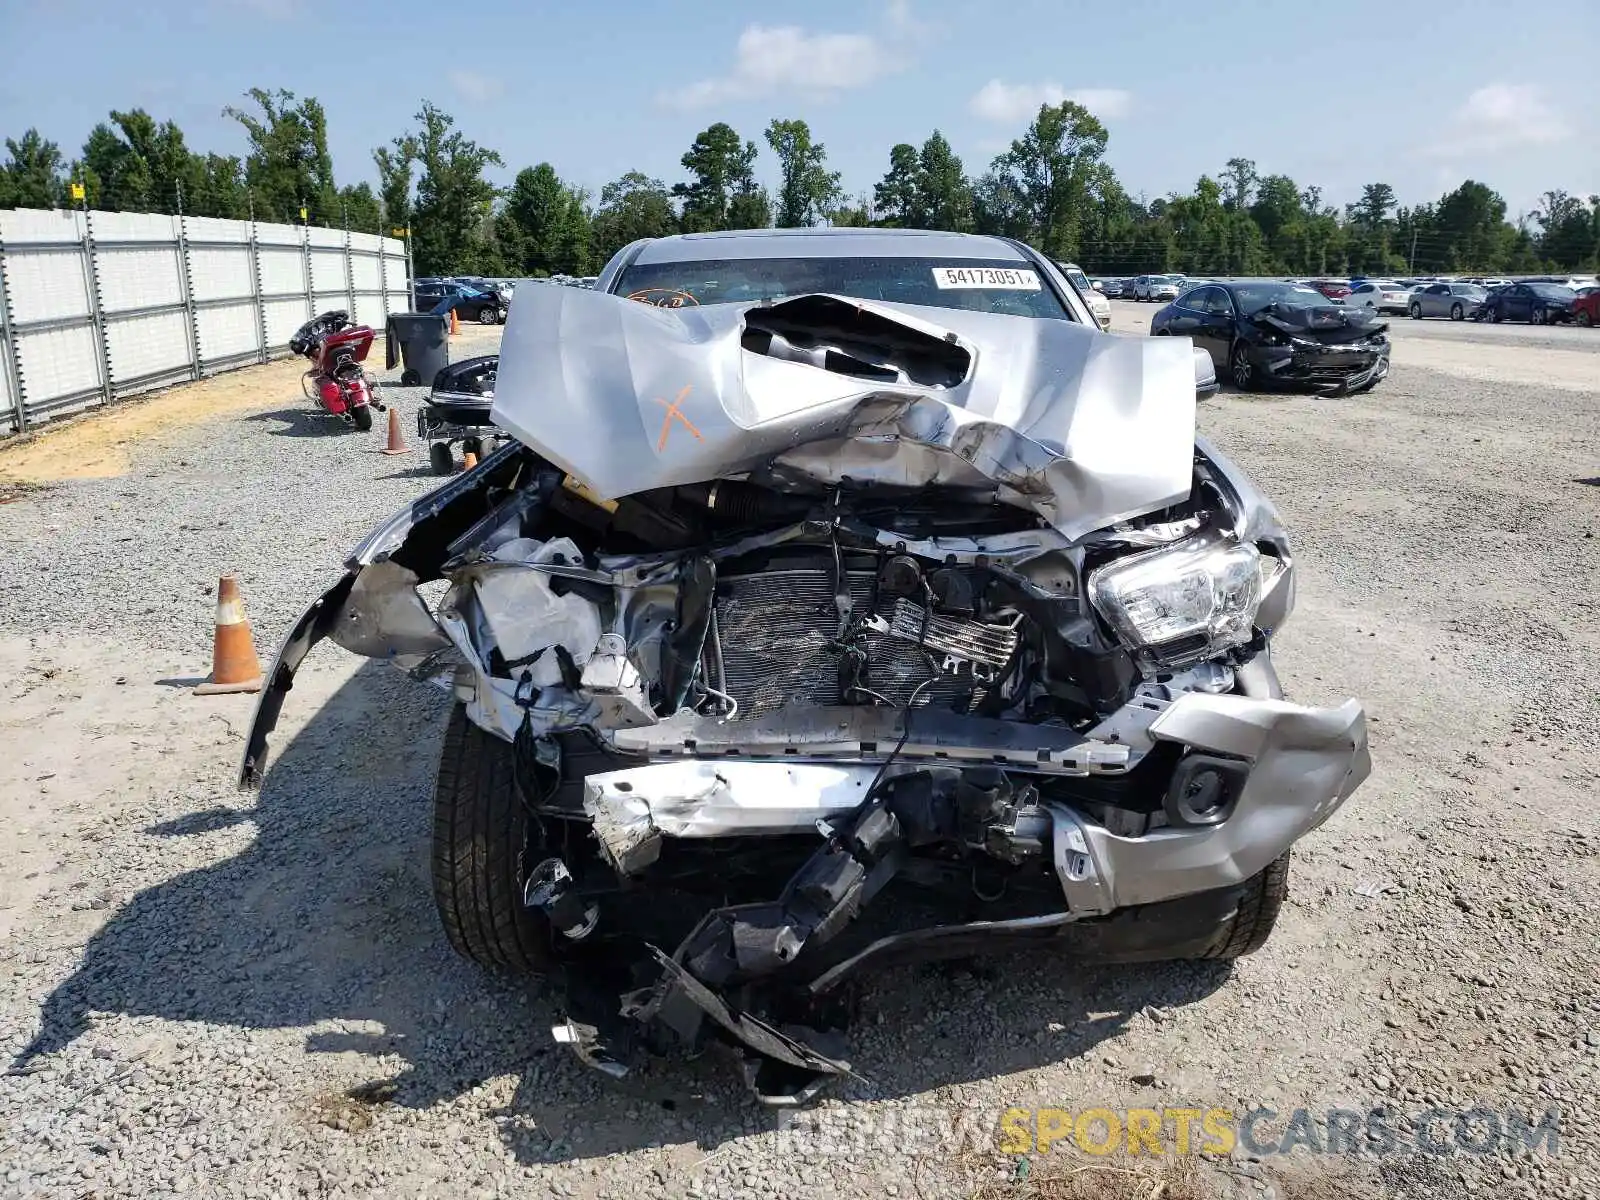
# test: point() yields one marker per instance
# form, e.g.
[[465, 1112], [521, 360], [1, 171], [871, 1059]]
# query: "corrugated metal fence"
[[98, 305]]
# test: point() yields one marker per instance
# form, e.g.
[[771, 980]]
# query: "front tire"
[[1416, 312], [1241, 368], [1538, 317], [480, 832], [1456, 312], [1253, 921], [489, 314], [361, 415], [1583, 318]]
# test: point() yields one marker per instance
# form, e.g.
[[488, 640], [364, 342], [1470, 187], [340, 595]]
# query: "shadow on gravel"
[[303, 422], [327, 919], [1595, 482]]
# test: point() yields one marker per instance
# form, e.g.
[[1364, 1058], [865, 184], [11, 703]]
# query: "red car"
[[1334, 289], [1586, 307]]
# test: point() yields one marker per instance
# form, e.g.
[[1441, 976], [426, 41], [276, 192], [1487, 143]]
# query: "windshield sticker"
[[1010, 278], [661, 297]]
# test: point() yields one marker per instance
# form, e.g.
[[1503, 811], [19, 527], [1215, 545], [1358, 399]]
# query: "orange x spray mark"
[[674, 415]]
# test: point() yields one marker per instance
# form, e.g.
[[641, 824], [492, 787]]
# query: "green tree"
[[396, 165], [1051, 169], [896, 197], [632, 207], [359, 209], [723, 168], [750, 208], [528, 226], [32, 175], [1566, 236], [289, 165], [808, 189], [943, 195], [1239, 181], [1470, 229], [573, 252], [453, 197]]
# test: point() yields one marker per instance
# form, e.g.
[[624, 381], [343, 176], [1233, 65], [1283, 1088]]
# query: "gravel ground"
[[208, 993]]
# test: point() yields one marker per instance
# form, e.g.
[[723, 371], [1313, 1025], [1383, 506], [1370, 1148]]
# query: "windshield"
[[1551, 291], [1253, 297], [1078, 278], [979, 285]]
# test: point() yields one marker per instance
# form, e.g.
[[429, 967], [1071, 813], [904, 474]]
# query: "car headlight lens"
[[1184, 603]]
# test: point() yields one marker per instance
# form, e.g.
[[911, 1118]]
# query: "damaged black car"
[[1265, 333], [845, 598]]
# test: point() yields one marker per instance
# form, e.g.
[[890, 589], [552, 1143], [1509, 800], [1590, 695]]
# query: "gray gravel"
[[214, 994]]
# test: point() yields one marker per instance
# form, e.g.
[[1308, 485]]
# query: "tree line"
[[1053, 188]]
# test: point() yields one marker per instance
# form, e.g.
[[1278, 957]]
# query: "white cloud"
[[475, 86], [1013, 102], [1502, 116], [772, 60]]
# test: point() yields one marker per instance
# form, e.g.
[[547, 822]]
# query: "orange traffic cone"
[[234, 665], [397, 443], [455, 323], [468, 460]]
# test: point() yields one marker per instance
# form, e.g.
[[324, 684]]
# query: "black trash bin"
[[420, 341]]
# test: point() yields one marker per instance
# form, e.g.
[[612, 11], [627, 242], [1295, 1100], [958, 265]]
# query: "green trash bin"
[[420, 342]]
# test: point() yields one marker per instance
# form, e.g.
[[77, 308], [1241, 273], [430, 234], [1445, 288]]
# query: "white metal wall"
[[98, 305]]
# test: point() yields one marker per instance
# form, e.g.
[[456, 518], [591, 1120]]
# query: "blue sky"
[[1418, 95]]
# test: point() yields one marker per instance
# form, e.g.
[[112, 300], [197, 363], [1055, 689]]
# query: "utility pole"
[[1412, 265]]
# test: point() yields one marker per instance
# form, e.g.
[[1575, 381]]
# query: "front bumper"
[[1296, 767], [1326, 367]]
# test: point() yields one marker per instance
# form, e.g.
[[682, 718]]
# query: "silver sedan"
[[1454, 300]]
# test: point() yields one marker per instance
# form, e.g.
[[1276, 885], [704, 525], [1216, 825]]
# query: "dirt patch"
[[1570, 370], [98, 444]]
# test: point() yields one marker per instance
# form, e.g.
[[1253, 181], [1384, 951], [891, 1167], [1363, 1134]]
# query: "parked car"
[[1536, 303], [1380, 295], [471, 303], [1264, 332], [1129, 289], [1586, 306], [705, 711], [1454, 300], [1098, 304], [1336, 290], [1156, 287]]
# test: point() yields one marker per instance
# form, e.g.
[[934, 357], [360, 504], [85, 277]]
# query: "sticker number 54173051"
[[1017, 279]]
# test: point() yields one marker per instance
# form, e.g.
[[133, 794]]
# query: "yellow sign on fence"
[[77, 191]]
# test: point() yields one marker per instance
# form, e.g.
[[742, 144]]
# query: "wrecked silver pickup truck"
[[845, 598]]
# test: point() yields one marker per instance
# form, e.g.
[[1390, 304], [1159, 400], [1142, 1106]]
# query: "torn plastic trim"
[[1303, 764], [632, 809]]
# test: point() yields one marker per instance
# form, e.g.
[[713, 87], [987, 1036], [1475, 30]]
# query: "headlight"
[[1185, 603]]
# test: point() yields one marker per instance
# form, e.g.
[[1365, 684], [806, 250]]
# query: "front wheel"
[[1251, 924], [441, 459], [480, 833], [1495, 316], [1537, 317], [410, 378], [361, 415], [1416, 312], [1455, 312], [488, 315], [1241, 368], [1583, 318]]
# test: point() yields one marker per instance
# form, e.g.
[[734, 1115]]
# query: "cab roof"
[[827, 243]]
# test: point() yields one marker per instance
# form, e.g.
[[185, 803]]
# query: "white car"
[[1156, 287], [1380, 295], [1098, 304]]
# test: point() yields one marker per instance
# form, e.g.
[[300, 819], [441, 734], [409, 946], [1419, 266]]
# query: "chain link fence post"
[[188, 289], [97, 319], [255, 285], [12, 348]]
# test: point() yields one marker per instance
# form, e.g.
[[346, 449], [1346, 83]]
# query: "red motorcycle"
[[336, 383]]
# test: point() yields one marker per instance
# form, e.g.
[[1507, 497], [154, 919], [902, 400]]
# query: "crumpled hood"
[[1082, 428], [1324, 324]]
